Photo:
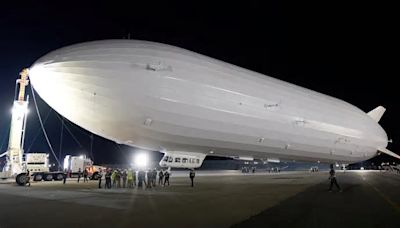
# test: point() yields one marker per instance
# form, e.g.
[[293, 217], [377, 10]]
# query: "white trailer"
[[38, 166]]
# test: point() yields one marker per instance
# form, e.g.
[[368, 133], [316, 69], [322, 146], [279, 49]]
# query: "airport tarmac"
[[301, 199]]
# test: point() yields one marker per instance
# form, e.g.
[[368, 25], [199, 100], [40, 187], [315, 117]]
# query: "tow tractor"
[[74, 164]]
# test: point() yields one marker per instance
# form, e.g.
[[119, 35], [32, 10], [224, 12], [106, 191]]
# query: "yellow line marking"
[[387, 199]]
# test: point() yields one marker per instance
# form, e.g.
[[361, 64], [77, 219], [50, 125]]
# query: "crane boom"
[[17, 130]]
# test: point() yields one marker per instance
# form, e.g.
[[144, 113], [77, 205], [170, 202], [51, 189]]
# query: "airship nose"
[[46, 84], [57, 89]]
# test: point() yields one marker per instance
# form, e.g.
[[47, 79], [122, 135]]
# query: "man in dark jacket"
[[100, 176], [108, 179], [166, 177], [79, 174], [332, 177], [191, 175], [65, 174], [160, 177], [85, 176]]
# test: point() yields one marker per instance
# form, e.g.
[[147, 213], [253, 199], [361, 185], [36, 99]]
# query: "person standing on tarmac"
[[28, 178], [113, 178], [166, 177], [191, 175], [142, 175], [124, 176], [140, 180], [134, 177], [118, 178], [160, 177], [108, 179], [65, 174], [129, 176], [100, 176], [149, 175], [332, 177], [79, 174], [154, 177], [85, 175]]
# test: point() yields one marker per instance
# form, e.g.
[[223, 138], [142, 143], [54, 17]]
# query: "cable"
[[91, 146], [61, 141], [38, 132], [69, 131], [44, 130], [78, 128]]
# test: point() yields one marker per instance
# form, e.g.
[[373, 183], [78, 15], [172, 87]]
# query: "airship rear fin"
[[388, 152], [377, 113]]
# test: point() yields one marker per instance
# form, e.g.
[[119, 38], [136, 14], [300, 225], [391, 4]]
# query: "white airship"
[[160, 97]]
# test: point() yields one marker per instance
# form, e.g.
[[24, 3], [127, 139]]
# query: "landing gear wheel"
[[21, 179]]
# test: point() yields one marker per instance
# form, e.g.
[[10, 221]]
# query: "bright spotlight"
[[141, 160]]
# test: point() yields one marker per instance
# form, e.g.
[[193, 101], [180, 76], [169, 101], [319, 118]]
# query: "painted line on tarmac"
[[386, 198]]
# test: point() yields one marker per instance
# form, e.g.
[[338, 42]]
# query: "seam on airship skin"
[[328, 132], [330, 128], [251, 138], [203, 106], [260, 151], [256, 99], [312, 91], [125, 56], [310, 99], [136, 54], [159, 47]]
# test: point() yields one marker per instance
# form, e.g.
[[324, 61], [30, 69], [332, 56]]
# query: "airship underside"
[[159, 97]]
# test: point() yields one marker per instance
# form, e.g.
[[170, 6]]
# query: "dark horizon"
[[341, 51]]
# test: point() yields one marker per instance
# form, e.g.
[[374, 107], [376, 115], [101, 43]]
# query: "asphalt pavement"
[[369, 199]]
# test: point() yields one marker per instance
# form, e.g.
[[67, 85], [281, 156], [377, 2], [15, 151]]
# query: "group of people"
[[129, 178], [84, 174], [118, 178], [148, 179]]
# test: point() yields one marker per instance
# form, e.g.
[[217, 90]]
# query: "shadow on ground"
[[359, 205]]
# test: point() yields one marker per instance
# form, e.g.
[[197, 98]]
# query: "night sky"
[[346, 51]]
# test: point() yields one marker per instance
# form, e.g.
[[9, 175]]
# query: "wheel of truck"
[[38, 177], [48, 177], [21, 179], [58, 176]]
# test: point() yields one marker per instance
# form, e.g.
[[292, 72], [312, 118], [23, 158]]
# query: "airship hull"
[[164, 98]]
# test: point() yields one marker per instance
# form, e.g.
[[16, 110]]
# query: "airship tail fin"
[[377, 113], [388, 152]]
